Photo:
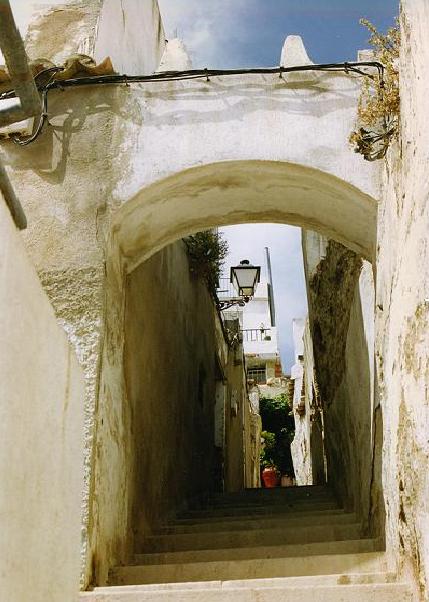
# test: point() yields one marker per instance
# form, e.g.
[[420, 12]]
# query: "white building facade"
[[259, 333]]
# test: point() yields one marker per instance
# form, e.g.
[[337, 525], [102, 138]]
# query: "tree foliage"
[[207, 252], [279, 429]]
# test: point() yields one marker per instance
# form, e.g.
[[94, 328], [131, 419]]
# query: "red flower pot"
[[271, 477]]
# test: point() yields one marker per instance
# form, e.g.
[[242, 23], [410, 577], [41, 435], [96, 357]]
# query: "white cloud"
[[207, 28]]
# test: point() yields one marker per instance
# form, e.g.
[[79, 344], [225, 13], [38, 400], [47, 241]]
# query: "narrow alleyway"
[[290, 544]]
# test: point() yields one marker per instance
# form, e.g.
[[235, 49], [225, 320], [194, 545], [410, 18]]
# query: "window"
[[257, 374]]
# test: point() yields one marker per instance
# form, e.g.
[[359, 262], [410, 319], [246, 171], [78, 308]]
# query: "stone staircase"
[[261, 545]]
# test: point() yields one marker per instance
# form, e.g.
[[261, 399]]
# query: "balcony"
[[253, 335]]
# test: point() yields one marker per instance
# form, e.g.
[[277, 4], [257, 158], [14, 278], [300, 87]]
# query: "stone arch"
[[234, 192]]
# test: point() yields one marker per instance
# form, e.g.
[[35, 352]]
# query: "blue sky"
[[234, 33], [244, 33]]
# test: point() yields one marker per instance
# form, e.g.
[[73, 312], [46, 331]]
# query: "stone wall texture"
[[402, 340], [341, 309]]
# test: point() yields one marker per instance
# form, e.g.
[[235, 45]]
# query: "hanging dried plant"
[[379, 103]]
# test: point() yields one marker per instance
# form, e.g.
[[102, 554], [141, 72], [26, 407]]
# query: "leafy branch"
[[207, 252]]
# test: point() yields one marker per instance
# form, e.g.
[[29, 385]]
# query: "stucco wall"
[[300, 446], [170, 379], [41, 436], [341, 309], [402, 307], [67, 184], [103, 145], [307, 447]]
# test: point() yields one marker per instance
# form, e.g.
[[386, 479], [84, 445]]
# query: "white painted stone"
[[402, 333], [294, 53], [41, 436], [281, 593], [132, 34], [71, 186], [175, 57]]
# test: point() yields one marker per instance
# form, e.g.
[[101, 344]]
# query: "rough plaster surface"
[[300, 446], [67, 184], [402, 312], [170, 387], [138, 43], [341, 309], [105, 145], [41, 436], [72, 29], [307, 447], [243, 192], [77, 298]]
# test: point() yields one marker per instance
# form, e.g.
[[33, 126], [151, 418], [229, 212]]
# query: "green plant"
[[277, 419], [268, 449], [207, 251], [379, 104]]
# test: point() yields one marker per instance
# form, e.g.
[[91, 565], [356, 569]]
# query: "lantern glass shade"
[[245, 278]]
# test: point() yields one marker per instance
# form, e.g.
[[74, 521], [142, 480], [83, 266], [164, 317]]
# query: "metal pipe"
[[12, 202], [23, 83], [25, 88], [270, 287]]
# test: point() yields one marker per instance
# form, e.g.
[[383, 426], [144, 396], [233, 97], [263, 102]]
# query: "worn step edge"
[[269, 498], [367, 562], [289, 513], [271, 494], [324, 548], [312, 580], [398, 592], [271, 491], [261, 510], [274, 535], [208, 526], [260, 504]]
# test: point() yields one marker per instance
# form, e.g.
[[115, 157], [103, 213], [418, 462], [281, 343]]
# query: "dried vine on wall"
[[379, 104]]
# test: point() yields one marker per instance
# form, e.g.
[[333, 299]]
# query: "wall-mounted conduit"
[[169, 76]]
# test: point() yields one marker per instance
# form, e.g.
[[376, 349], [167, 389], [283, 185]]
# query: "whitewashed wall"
[[41, 436], [403, 309]]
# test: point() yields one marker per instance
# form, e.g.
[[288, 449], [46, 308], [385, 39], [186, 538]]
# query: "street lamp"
[[244, 278]]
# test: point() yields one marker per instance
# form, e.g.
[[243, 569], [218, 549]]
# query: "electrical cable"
[[173, 76]]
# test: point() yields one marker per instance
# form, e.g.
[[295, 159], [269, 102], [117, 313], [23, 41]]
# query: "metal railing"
[[226, 289], [251, 335]]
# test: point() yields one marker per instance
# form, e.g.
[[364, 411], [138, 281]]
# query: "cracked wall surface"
[[341, 310], [402, 309], [103, 147]]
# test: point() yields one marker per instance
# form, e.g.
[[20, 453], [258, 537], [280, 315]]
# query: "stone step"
[[321, 548], [269, 503], [272, 494], [286, 508], [276, 534], [250, 521], [312, 580], [264, 496], [295, 566], [389, 592]]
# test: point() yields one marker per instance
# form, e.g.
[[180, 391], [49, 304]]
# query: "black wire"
[[169, 76]]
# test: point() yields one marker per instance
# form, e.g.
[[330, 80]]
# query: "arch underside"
[[237, 192]]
